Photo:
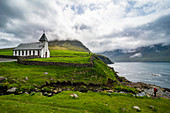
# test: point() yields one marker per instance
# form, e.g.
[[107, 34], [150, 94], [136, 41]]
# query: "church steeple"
[[43, 38]]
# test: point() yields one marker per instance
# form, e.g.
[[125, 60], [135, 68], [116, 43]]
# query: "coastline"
[[145, 89]]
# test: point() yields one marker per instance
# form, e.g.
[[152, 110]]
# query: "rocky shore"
[[146, 89], [50, 87]]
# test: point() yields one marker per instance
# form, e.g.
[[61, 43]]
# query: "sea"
[[157, 73]]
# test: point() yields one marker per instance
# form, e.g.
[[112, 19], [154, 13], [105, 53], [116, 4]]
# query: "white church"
[[39, 49]]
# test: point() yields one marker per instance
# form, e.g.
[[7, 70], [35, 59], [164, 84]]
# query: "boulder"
[[136, 108], [12, 90], [2, 79]]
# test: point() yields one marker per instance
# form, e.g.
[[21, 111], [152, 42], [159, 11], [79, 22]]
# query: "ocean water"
[[157, 73]]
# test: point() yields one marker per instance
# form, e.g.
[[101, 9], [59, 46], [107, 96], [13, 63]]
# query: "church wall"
[[17, 53], [13, 53]]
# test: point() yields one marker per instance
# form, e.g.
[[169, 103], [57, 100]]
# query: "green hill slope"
[[73, 45]]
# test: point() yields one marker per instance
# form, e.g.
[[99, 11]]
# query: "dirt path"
[[7, 60]]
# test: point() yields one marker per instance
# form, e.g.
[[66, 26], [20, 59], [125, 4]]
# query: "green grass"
[[80, 60], [68, 53], [87, 102], [16, 73], [6, 52]]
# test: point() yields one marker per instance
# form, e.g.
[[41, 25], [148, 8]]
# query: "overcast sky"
[[99, 24]]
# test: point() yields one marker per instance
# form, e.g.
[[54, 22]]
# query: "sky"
[[101, 25]]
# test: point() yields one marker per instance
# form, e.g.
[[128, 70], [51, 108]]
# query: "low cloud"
[[136, 55]]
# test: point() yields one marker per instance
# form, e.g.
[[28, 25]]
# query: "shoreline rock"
[[145, 89]]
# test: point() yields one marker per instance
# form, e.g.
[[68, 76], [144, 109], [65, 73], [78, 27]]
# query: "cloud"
[[136, 55], [100, 25]]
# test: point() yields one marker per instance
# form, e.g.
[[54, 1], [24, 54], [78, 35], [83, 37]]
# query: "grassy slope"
[[87, 102], [67, 56], [74, 45], [18, 72], [8, 51], [80, 60]]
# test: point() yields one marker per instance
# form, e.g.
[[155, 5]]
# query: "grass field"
[[68, 53], [77, 59], [6, 52], [86, 102], [17, 72]]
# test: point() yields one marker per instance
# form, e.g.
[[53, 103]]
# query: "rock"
[[139, 89], [54, 91], [74, 95], [26, 78], [109, 91], [23, 81], [35, 85], [51, 79], [51, 94], [27, 93], [151, 107], [45, 73], [136, 108], [148, 95], [141, 94], [45, 93], [12, 90], [2, 79]]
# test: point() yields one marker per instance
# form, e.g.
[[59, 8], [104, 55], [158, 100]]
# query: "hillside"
[[157, 52], [73, 45]]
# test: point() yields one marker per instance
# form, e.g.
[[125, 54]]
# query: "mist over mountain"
[[158, 52]]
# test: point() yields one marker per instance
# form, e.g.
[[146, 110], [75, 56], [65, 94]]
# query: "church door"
[[45, 54]]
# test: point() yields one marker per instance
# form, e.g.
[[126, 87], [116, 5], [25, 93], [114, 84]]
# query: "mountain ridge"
[[158, 52]]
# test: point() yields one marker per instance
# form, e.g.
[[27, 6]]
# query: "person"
[[155, 90]]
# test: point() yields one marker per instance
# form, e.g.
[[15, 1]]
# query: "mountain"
[[74, 45], [158, 52]]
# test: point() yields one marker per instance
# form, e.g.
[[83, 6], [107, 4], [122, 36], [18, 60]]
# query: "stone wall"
[[22, 60], [8, 56]]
